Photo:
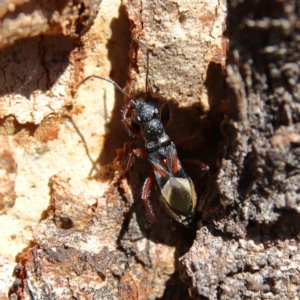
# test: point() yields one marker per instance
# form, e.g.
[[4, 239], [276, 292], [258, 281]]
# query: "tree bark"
[[92, 238], [249, 247]]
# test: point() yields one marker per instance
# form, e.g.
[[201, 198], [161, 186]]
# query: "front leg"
[[130, 125]]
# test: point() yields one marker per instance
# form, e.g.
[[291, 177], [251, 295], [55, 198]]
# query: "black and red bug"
[[177, 192]]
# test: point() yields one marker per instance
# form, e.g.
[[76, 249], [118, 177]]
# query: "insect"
[[176, 189]]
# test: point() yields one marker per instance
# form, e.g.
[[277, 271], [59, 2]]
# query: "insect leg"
[[196, 163], [130, 125], [134, 153], [184, 141], [145, 197], [199, 182]]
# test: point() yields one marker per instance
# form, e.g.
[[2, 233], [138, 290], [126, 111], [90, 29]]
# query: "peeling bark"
[[30, 18]]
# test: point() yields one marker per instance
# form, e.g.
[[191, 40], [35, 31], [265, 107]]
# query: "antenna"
[[108, 80], [147, 73], [147, 67]]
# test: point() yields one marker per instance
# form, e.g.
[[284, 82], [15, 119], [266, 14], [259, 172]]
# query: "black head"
[[143, 111]]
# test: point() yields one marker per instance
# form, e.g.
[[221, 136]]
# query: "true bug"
[[177, 192]]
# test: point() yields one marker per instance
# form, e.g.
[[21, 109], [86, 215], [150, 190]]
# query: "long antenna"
[[147, 67], [108, 80], [147, 73]]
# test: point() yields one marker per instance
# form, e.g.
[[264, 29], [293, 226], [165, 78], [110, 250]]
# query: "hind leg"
[[145, 197]]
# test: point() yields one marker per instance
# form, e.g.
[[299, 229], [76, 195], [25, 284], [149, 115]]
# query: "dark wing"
[[178, 194], [175, 187]]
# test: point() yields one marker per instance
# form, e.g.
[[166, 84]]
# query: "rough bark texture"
[[184, 37], [39, 70], [30, 18], [38, 38], [93, 239], [250, 247]]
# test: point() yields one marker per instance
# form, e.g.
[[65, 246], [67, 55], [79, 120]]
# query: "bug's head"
[[144, 111]]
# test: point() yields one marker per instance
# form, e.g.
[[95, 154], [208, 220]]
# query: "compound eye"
[[156, 111]]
